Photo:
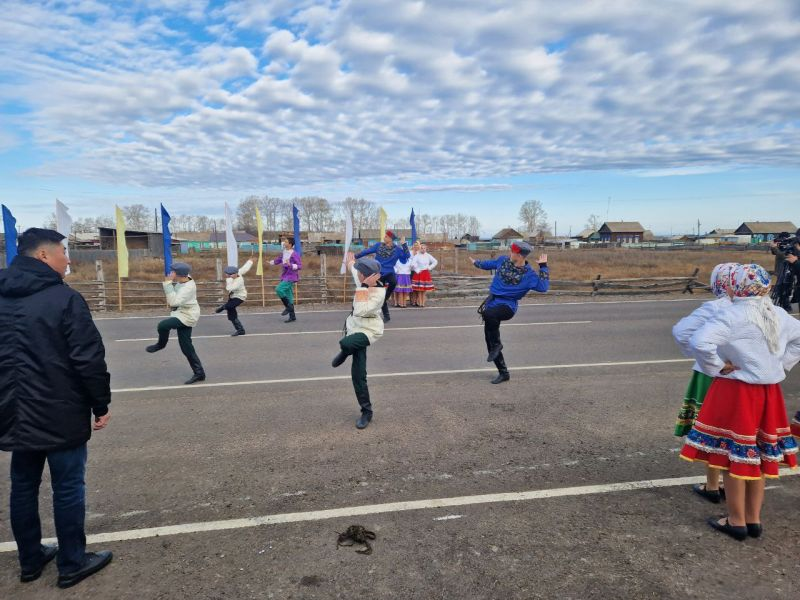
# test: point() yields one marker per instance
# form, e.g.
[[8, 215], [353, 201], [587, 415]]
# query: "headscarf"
[[752, 282], [721, 279]]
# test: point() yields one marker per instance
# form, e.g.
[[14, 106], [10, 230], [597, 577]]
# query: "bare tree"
[[246, 214], [593, 222], [50, 222], [533, 217], [474, 226], [137, 217], [363, 212]]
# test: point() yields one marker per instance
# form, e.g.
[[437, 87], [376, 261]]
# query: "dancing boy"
[[290, 264], [237, 294], [513, 279]]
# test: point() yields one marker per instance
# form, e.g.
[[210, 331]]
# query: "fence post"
[[219, 269], [596, 285], [455, 251], [323, 272], [101, 278], [692, 280]]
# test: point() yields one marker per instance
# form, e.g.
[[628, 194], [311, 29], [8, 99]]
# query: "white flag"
[[63, 225], [348, 238], [230, 239]]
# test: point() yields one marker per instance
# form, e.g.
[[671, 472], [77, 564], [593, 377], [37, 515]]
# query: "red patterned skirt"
[[742, 428], [422, 282]]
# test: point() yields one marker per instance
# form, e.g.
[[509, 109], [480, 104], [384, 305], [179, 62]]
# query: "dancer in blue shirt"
[[513, 279], [387, 254]]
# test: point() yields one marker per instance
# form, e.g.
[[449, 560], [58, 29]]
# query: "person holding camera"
[[787, 270]]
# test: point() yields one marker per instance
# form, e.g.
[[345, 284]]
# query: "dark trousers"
[[492, 317], [230, 306], [67, 470], [389, 281], [184, 340], [356, 346]]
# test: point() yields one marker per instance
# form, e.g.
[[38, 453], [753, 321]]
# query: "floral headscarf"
[[721, 279], [751, 285]]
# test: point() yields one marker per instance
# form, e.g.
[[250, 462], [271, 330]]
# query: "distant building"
[[588, 235], [507, 236], [764, 231], [134, 240], [623, 232], [373, 236]]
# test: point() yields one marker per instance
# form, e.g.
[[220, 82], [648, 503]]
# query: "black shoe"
[[501, 377], [94, 562], [338, 360], [363, 421], [713, 496], [494, 353], [291, 318], [235, 333], [219, 309], [154, 348], [48, 554], [286, 310], [754, 530], [738, 533], [195, 378]]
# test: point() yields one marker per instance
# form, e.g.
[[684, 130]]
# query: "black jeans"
[[492, 317], [184, 337], [231, 306], [67, 470], [356, 346], [389, 281]]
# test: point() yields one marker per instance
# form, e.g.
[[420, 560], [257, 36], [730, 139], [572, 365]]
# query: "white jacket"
[[731, 337], [366, 317], [423, 262], [182, 298], [685, 328], [235, 286]]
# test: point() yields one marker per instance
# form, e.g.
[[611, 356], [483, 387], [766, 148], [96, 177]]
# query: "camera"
[[786, 243]]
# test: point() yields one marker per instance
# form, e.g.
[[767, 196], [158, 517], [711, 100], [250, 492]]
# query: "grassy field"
[[580, 264]]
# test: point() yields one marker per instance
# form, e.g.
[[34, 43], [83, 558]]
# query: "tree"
[[137, 217], [533, 217], [363, 212], [593, 222], [246, 214], [50, 223]]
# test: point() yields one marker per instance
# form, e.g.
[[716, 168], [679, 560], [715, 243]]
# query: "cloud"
[[425, 189], [315, 92]]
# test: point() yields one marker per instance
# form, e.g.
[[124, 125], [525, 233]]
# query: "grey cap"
[[181, 269], [522, 248], [231, 270], [367, 266]]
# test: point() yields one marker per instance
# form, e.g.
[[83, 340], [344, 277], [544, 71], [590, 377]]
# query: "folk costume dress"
[[683, 332], [422, 265], [402, 271], [742, 426]]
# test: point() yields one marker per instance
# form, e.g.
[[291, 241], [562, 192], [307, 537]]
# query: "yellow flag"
[[122, 247], [260, 226], [383, 217]]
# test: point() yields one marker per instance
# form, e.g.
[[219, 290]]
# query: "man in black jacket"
[[53, 376]]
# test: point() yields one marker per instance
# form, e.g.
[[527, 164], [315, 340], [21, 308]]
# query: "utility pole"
[[698, 227]]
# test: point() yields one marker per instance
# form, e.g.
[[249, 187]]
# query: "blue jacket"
[[510, 284], [388, 257]]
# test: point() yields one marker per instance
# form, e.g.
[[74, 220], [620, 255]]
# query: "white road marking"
[[427, 308], [630, 363], [449, 518], [376, 509], [339, 331]]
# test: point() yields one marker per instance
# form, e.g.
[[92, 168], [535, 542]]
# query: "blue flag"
[[165, 219], [413, 228], [10, 230], [298, 245]]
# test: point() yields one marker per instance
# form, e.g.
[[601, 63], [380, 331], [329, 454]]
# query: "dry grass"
[[580, 264]]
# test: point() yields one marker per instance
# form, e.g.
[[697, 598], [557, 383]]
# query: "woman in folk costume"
[[363, 328], [237, 294], [700, 382], [181, 292], [422, 282], [291, 265], [402, 270], [742, 428]]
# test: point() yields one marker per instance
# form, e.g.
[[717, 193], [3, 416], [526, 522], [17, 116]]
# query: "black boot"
[[286, 309], [237, 324], [154, 348], [219, 309], [385, 311], [292, 316], [363, 420], [197, 369], [339, 359], [494, 352], [502, 374], [366, 408]]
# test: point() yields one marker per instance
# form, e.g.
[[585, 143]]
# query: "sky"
[[660, 112]]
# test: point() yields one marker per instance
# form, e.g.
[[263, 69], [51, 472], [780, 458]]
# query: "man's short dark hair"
[[34, 238], [290, 240]]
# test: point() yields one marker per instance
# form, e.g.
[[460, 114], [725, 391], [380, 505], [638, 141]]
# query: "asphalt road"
[[201, 456]]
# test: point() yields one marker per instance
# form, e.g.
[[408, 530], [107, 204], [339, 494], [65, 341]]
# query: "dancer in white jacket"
[[237, 294], [181, 292], [363, 328]]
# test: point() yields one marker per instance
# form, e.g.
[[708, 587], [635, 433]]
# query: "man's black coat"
[[52, 361]]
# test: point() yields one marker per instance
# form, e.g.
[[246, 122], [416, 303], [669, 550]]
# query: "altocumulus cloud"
[[287, 92]]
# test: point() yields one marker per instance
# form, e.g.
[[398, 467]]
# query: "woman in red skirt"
[[742, 428], [422, 264]]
